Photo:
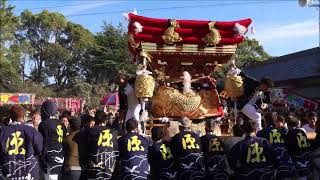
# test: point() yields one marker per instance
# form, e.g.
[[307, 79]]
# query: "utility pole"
[[312, 3]]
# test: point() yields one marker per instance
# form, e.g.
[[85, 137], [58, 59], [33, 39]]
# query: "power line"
[[68, 5], [50, 7], [177, 7]]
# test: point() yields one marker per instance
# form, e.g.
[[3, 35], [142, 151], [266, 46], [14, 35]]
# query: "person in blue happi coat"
[[283, 163], [160, 157], [187, 152], [53, 132], [214, 154], [251, 158], [133, 150], [20, 146], [299, 148], [102, 148]]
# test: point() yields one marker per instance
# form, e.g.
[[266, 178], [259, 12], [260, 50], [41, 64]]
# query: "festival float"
[[175, 60]]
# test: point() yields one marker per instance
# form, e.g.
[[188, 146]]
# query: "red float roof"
[[179, 45], [146, 29]]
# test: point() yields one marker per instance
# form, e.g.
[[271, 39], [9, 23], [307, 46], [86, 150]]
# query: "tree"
[[247, 53], [109, 56], [75, 46], [40, 30], [9, 60], [59, 46], [250, 51]]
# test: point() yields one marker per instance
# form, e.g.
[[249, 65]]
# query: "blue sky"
[[282, 26]]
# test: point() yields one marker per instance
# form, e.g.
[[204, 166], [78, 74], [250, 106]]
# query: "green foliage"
[[8, 23], [40, 30], [79, 88], [110, 56], [38, 89], [9, 76], [59, 46], [9, 52], [250, 51]]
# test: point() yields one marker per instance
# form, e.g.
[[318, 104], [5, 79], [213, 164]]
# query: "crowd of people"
[[88, 147]]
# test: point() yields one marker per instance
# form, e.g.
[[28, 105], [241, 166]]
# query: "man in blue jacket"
[[133, 150], [299, 148], [102, 149], [283, 163], [160, 157], [251, 158], [53, 133], [187, 153], [19, 147], [214, 154]]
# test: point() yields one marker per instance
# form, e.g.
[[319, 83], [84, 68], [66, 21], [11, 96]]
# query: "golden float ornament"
[[144, 86], [213, 37], [233, 86], [170, 36]]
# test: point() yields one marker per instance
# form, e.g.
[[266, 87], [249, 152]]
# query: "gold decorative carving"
[[160, 74], [146, 55], [170, 36], [184, 102], [165, 103], [132, 42], [213, 37], [144, 86], [233, 86]]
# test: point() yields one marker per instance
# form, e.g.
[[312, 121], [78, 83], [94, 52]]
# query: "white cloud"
[[296, 30], [83, 7]]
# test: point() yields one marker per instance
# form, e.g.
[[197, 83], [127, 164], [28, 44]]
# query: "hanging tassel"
[[126, 15], [239, 29], [253, 31], [138, 27]]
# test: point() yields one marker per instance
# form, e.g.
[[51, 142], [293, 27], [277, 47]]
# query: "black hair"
[[110, 118], [269, 119], [281, 119], [84, 118], [132, 81], [240, 118], [157, 133], [292, 121], [100, 117], [267, 81], [75, 123], [210, 123], [64, 116], [248, 125], [67, 113], [131, 124], [237, 130], [90, 118], [312, 114]]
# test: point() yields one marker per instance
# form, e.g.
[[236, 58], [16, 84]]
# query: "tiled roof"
[[292, 66]]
